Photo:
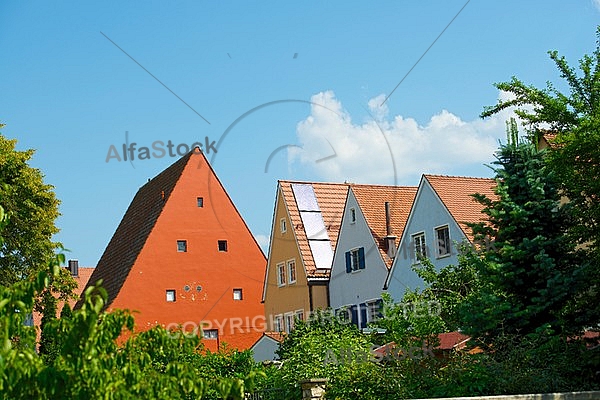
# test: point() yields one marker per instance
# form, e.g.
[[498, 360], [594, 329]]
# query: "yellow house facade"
[[304, 232]]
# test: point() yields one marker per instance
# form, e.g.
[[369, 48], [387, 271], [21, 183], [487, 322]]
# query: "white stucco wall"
[[362, 285], [428, 212]]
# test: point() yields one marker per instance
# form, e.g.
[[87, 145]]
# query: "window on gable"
[[210, 333], [442, 234], [222, 245], [355, 259], [237, 294], [182, 246], [420, 249], [291, 267], [200, 201], [171, 295], [352, 215], [282, 225], [281, 274]]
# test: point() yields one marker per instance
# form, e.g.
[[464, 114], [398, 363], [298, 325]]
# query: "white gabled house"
[[437, 223], [372, 224]]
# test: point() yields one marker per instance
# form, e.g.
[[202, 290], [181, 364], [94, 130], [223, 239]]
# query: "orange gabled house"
[[183, 256]]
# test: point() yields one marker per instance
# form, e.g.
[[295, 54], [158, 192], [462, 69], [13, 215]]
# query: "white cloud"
[[596, 4], [367, 152], [263, 242]]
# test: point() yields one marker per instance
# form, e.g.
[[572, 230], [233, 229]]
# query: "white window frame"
[[281, 278], [437, 241], [278, 323], [282, 225], [288, 320], [371, 310], [354, 252], [289, 271], [423, 246], [299, 314]]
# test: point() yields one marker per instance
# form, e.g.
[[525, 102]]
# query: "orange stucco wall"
[[203, 277]]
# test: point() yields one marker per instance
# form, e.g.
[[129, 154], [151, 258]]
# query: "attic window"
[[443, 241], [282, 225], [200, 201], [352, 215], [171, 296], [182, 246], [222, 245]]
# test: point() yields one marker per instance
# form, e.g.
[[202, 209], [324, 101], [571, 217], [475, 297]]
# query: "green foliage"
[[32, 208], [574, 158], [87, 361], [529, 274]]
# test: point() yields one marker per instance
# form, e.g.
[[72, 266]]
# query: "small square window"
[[210, 333], [171, 295], [182, 246], [352, 215], [282, 225], [222, 245], [237, 294], [200, 201]]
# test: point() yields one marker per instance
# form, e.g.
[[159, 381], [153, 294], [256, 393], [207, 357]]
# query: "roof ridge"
[[459, 177], [314, 182]]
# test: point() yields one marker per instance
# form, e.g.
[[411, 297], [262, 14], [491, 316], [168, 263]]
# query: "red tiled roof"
[[372, 199], [455, 192], [331, 198], [135, 227], [279, 336], [451, 340]]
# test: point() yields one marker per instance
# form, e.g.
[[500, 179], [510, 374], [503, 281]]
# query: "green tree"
[[574, 158], [529, 273], [32, 209]]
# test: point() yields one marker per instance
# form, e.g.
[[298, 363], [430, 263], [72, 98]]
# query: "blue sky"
[[319, 69]]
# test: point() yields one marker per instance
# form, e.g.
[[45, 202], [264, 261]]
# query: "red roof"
[[372, 199], [456, 194], [331, 198]]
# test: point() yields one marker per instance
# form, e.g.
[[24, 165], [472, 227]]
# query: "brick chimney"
[[390, 240]]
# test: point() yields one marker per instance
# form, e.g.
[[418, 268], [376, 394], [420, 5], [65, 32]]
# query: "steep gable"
[[372, 199], [184, 256], [133, 230]]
